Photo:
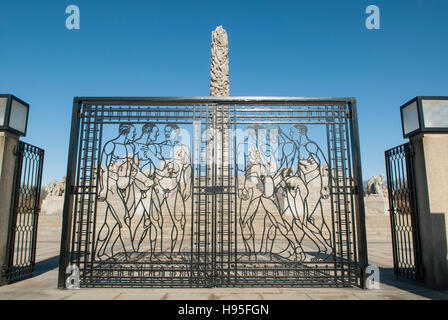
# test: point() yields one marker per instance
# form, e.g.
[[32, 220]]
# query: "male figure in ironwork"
[[116, 189], [149, 155]]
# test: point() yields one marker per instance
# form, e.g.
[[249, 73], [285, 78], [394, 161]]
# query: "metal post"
[[68, 200], [414, 214], [359, 197]]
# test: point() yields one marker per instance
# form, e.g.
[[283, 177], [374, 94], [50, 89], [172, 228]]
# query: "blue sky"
[[280, 48]]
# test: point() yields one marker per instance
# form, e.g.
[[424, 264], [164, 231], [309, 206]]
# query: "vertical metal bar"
[[390, 182], [398, 187], [359, 200], [330, 182], [81, 138], [20, 238], [68, 196], [230, 193], [342, 144], [407, 252], [26, 262], [37, 204], [352, 207], [199, 177], [83, 211], [98, 173], [414, 214], [91, 211], [221, 196], [193, 193], [395, 187], [338, 202], [236, 196]]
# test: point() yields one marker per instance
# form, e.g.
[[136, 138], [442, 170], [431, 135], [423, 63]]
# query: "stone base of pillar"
[[8, 145], [431, 179]]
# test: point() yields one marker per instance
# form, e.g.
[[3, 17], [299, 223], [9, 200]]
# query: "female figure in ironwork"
[[173, 176], [307, 159], [261, 193]]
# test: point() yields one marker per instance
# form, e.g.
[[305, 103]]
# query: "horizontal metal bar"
[[204, 100]]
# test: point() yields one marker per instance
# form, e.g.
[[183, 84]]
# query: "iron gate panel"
[[25, 212], [403, 212], [203, 192]]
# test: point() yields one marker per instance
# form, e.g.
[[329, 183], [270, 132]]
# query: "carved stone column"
[[219, 87], [219, 71]]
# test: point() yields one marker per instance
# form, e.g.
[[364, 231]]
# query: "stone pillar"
[[219, 71], [219, 87], [8, 144], [431, 180]]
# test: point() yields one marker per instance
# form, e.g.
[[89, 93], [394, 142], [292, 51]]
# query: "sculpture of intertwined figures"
[[55, 188], [375, 185], [137, 177], [278, 178]]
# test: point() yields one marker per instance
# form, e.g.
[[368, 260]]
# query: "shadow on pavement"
[[388, 277], [46, 265]]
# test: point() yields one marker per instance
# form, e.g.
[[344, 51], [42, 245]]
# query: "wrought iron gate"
[[25, 212], [203, 192], [403, 212]]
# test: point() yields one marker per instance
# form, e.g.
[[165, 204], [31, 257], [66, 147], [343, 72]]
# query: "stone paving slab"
[[44, 286]]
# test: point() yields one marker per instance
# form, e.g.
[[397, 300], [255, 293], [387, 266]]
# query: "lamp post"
[[425, 123], [13, 124]]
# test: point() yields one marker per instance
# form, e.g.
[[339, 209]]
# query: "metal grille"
[[25, 212], [403, 212], [262, 192]]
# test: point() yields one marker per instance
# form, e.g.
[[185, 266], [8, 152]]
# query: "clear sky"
[[279, 48]]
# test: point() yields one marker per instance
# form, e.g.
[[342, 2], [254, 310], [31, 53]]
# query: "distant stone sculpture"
[[55, 188], [375, 185], [54, 198]]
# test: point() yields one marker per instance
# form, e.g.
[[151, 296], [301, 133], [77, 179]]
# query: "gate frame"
[[408, 162], [244, 100], [21, 149]]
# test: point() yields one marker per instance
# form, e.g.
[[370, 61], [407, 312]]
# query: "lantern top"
[[13, 114], [424, 114]]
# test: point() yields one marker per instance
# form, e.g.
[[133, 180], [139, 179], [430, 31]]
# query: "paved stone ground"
[[43, 285]]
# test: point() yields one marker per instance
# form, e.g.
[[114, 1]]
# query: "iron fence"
[[25, 212], [231, 205], [403, 212]]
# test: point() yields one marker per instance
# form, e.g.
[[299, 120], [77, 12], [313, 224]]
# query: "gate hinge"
[[4, 273], [411, 150]]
